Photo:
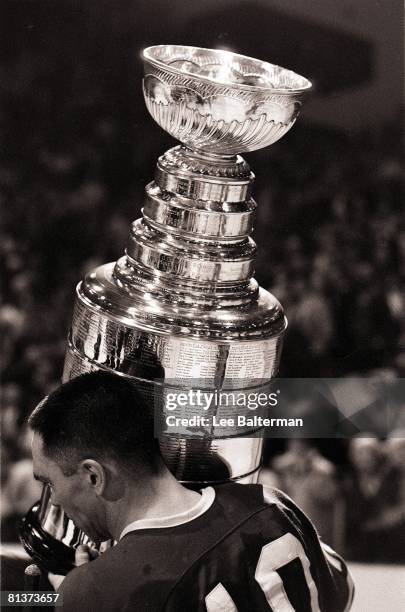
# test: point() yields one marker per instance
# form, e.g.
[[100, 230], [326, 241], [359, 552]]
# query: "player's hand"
[[55, 580], [84, 554]]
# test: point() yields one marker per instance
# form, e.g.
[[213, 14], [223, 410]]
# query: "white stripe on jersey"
[[273, 557], [219, 600], [331, 556]]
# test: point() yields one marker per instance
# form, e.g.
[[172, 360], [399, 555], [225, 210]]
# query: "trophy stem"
[[209, 156]]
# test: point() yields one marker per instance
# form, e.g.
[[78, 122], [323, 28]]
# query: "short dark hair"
[[97, 415]]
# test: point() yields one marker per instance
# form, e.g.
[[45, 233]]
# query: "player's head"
[[93, 436]]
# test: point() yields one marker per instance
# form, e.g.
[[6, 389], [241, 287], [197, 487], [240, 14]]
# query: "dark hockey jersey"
[[251, 550]]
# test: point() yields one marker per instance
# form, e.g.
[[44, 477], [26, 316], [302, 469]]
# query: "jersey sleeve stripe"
[[219, 600]]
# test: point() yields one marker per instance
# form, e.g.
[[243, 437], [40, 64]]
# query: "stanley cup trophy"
[[182, 303]]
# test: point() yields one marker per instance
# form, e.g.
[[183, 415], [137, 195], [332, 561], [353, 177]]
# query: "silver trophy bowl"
[[181, 307], [220, 102]]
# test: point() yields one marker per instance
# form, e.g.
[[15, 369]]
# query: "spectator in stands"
[[372, 492], [395, 517], [310, 480], [19, 490]]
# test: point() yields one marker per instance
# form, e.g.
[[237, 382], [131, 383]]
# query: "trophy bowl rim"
[[148, 57]]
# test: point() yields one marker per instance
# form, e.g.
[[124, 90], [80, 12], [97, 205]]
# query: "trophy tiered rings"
[[182, 304]]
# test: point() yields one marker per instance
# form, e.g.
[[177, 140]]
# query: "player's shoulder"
[[97, 586], [254, 497], [260, 502], [79, 586], [90, 575]]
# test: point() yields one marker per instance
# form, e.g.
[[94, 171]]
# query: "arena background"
[[77, 149]]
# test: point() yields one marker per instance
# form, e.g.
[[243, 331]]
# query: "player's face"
[[74, 493]]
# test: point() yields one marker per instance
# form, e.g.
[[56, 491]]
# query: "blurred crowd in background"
[[331, 237], [358, 508]]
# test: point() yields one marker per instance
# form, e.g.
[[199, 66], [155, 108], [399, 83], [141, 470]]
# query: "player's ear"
[[93, 474]]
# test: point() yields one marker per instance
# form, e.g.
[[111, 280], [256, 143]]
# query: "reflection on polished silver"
[[218, 101], [182, 303], [49, 536], [55, 522]]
